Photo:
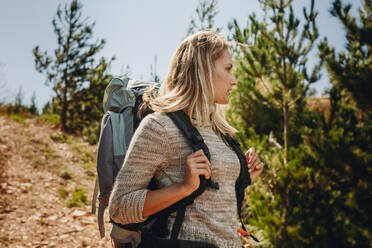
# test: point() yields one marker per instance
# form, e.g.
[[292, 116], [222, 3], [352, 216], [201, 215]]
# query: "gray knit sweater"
[[159, 149]]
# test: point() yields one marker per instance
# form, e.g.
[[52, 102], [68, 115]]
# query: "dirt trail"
[[39, 169]]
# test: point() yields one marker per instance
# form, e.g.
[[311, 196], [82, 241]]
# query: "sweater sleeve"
[[146, 154]]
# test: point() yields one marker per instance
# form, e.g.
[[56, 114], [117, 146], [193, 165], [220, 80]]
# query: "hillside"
[[39, 170], [46, 184]]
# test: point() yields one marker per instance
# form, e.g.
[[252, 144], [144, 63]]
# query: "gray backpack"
[[121, 101]]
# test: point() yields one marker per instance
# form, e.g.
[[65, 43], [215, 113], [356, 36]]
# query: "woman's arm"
[[130, 200], [147, 153], [157, 200]]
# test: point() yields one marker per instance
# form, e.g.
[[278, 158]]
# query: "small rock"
[[35, 217], [78, 213], [87, 221], [52, 218], [64, 220], [78, 228], [26, 185]]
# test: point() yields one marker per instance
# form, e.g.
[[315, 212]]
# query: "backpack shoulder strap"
[[244, 178], [196, 141]]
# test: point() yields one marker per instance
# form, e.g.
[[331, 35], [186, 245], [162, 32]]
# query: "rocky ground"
[[39, 169]]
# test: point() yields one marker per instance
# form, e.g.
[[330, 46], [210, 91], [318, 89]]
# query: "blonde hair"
[[188, 85]]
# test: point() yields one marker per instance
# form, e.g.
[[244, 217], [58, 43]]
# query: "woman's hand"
[[196, 164], [255, 165], [156, 200]]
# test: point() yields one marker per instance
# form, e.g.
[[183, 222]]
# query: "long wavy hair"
[[188, 85]]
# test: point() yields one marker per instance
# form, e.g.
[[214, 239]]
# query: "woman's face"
[[223, 78]]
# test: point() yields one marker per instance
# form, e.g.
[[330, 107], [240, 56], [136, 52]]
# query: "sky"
[[136, 31]]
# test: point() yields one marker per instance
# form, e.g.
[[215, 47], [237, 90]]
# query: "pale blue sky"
[[135, 31]]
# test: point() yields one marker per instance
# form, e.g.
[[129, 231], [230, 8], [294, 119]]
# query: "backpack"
[[121, 101]]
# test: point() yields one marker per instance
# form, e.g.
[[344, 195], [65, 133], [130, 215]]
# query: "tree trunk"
[[285, 131], [64, 110]]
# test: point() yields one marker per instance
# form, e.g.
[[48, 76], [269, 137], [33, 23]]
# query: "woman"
[[199, 80]]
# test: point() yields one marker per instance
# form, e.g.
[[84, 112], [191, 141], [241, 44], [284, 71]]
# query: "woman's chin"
[[223, 102], [226, 100]]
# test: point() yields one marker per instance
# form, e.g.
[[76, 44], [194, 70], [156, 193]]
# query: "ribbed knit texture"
[[159, 149]]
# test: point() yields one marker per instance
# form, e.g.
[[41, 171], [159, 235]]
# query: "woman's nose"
[[234, 82]]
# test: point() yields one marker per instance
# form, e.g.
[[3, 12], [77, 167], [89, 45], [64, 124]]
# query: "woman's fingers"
[[199, 164], [257, 167], [198, 157], [249, 155], [198, 153], [204, 166], [196, 164], [202, 171], [254, 163]]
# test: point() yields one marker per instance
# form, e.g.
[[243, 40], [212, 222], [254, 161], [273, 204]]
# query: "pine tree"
[[272, 62], [269, 108], [205, 20], [2, 85], [341, 149], [18, 100], [154, 77], [33, 107], [73, 59], [18, 106], [352, 70], [89, 109]]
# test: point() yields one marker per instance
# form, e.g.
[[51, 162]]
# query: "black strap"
[[244, 178], [137, 104], [196, 141], [159, 228], [178, 222]]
